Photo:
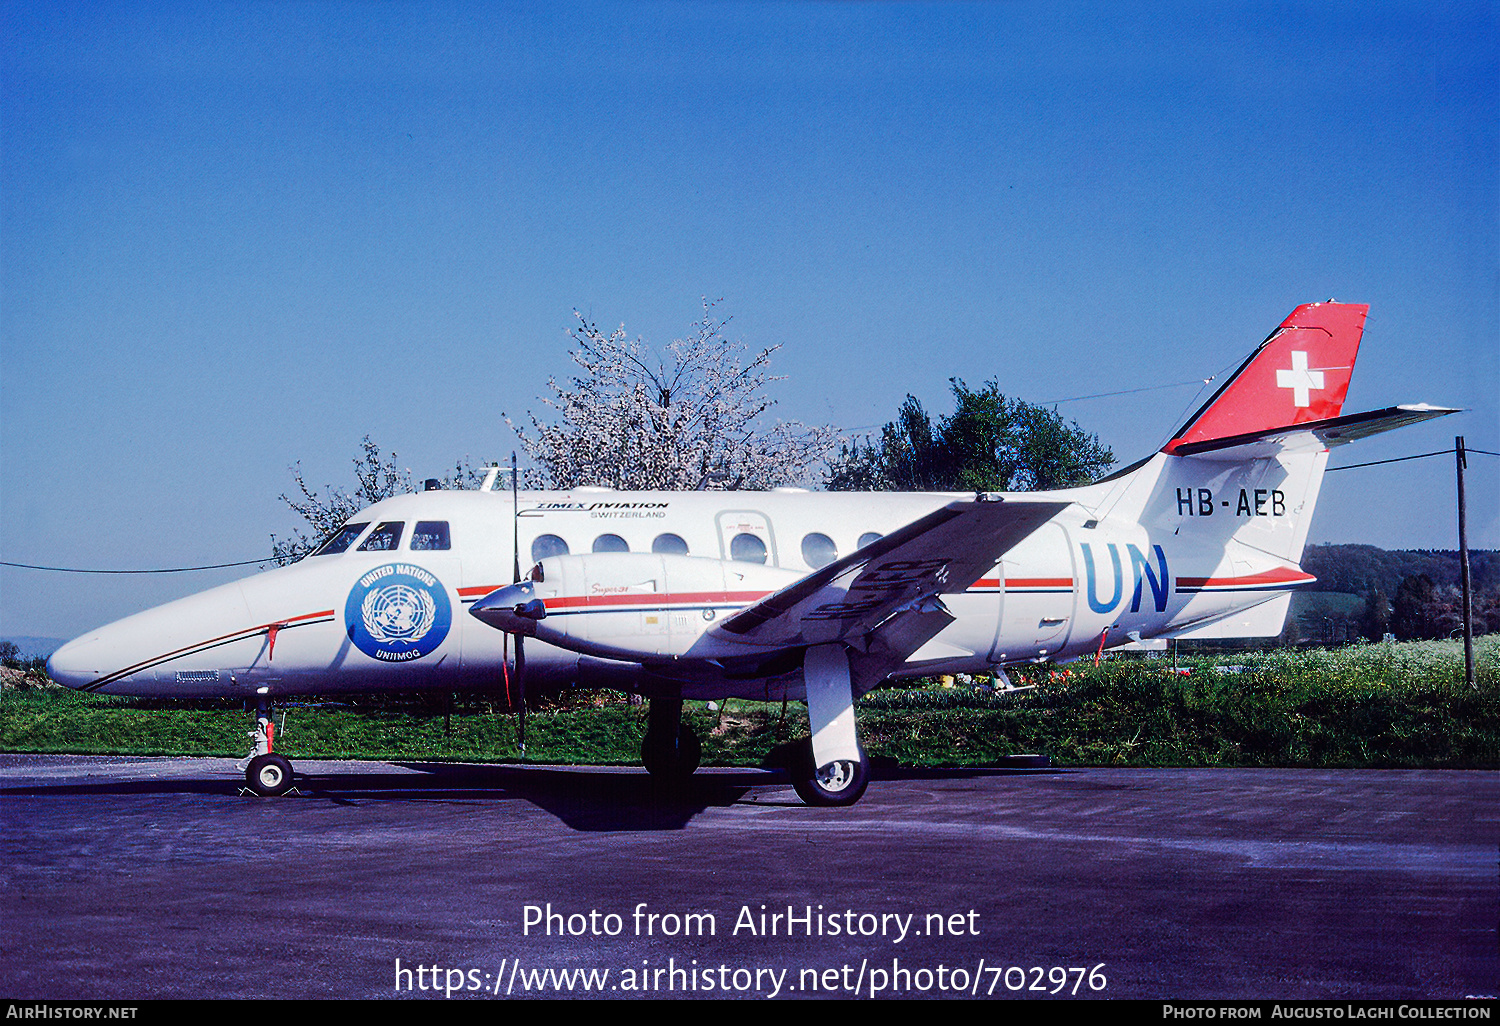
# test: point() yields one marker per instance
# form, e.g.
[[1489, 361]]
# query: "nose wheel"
[[269, 775], [266, 773]]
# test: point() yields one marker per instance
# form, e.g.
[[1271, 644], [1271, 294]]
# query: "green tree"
[[1375, 621], [1412, 611], [990, 443]]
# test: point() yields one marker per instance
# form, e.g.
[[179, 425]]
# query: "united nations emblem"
[[397, 612]]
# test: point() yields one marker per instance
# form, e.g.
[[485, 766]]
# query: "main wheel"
[[838, 783], [269, 775], [669, 760]]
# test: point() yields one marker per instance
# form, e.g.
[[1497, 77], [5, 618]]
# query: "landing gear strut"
[[834, 770], [671, 750], [266, 773]]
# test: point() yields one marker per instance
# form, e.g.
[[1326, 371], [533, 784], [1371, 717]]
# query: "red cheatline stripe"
[[478, 591], [1014, 583], [1281, 575], [249, 632], [1022, 583], [652, 599], [304, 616]]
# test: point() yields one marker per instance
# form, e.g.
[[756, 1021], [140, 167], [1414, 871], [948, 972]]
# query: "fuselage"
[[388, 610]]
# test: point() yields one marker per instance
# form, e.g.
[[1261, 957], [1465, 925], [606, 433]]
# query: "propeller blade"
[[515, 521], [515, 538], [521, 690]]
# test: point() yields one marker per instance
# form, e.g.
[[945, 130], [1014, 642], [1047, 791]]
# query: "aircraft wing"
[[883, 599]]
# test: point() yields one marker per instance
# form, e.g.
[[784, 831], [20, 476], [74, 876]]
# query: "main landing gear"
[[835, 769], [840, 782], [671, 750], [266, 773], [830, 770]]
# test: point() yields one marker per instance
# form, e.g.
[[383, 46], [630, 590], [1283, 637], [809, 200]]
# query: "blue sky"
[[236, 236]]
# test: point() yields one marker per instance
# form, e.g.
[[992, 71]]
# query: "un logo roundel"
[[397, 612]]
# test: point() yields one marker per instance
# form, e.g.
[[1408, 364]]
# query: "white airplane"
[[783, 594]]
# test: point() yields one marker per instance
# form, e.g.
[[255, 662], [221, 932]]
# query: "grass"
[[1380, 705]]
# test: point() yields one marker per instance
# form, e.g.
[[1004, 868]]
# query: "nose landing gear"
[[266, 773], [269, 775]]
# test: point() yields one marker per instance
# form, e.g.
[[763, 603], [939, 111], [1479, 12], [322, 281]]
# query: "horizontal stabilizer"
[[1314, 436], [1266, 620]]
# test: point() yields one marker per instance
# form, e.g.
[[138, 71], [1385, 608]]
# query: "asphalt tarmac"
[[142, 878]]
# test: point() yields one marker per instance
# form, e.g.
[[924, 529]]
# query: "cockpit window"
[[341, 539], [430, 536], [384, 538]]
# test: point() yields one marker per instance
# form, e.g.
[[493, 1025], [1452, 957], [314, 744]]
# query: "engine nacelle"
[[628, 605]]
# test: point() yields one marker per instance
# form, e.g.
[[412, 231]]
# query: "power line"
[[163, 570], [1128, 391], [1398, 459]]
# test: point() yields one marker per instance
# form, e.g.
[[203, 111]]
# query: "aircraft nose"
[[78, 663]]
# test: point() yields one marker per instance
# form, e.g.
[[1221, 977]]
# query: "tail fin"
[[1298, 375], [1232, 494], [1243, 474]]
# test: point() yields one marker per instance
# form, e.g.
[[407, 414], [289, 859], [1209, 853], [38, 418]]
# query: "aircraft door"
[[1039, 583], [745, 536]]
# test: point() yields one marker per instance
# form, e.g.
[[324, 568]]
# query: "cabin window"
[[747, 548], [610, 543], [548, 545], [868, 538], [430, 536], [384, 538], [341, 540], [670, 544], [818, 550]]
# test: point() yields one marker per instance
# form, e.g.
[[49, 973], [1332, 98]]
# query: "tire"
[[837, 784], [672, 761], [269, 775]]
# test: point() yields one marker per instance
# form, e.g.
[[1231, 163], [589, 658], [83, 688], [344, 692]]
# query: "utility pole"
[[1463, 563]]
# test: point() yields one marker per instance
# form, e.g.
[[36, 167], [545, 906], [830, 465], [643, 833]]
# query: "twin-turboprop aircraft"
[[780, 594]]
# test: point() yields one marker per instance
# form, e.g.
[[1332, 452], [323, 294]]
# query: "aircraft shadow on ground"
[[599, 799]]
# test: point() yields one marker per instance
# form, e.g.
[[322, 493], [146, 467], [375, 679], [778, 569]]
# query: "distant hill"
[[1353, 569]]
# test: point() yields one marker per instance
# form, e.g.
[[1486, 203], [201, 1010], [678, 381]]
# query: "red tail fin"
[[1297, 375]]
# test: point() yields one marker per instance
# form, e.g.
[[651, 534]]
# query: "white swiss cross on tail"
[[1317, 335], [1299, 379]]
